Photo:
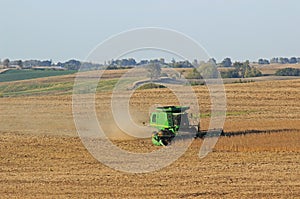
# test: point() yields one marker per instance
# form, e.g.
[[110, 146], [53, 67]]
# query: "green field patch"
[[17, 75], [150, 86], [19, 89], [107, 85], [37, 88]]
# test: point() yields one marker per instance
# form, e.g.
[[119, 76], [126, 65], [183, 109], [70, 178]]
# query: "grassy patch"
[[150, 86], [106, 85], [195, 83], [243, 81]]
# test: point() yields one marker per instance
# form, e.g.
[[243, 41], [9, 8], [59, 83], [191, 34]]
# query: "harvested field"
[[51, 166], [41, 155], [270, 69]]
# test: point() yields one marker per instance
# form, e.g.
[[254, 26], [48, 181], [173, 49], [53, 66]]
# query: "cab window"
[[154, 118]]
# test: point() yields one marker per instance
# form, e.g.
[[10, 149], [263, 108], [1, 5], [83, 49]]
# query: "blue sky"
[[65, 29]]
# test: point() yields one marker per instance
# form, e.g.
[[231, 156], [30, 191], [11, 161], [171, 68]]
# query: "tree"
[[293, 60], [213, 61], [182, 64], [247, 72], [122, 63], [72, 64], [143, 62], [230, 74], [274, 60], [242, 70], [208, 70], [238, 68], [45, 63], [226, 62], [195, 63], [288, 72], [19, 63], [194, 74], [283, 60], [173, 62], [131, 62], [263, 61], [162, 60], [154, 70], [6, 63], [255, 72]]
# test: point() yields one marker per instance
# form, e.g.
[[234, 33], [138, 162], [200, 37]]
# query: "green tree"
[[6, 63], [72, 64], [194, 74], [245, 68], [173, 62], [242, 70], [255, 72], [230, 74], [247, 72], [213, 61], [208, 70], [195, 63], [293, 60], [19, 63], [288, 72], [226, 62]]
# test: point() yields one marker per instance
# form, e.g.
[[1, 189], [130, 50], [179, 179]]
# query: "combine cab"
[[169, 120]]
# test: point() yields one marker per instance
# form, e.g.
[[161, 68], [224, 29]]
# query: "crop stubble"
[[42, 156]]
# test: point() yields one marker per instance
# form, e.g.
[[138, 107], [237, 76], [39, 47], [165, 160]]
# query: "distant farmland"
[[16, 75]]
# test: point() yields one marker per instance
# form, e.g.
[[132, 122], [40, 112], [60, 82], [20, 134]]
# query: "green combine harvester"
[[169, 120]]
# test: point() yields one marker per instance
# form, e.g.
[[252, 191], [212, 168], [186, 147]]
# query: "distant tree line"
[[31, 63], [69, 65], [241, 70], [280, 60], [276, 60], [194, 74], [133, 63], [226, 62], [236, 70], [130, 62], [288, 72]]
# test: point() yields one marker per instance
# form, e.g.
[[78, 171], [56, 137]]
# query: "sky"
[[69, 29]]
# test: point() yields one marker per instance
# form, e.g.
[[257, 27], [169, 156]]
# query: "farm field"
[[42, 156], [15, 75], [270, 69]]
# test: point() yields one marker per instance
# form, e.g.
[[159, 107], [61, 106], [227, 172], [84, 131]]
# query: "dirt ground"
[[42, 156]]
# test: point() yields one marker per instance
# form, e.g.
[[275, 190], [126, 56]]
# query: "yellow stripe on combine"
[[159, 125]]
